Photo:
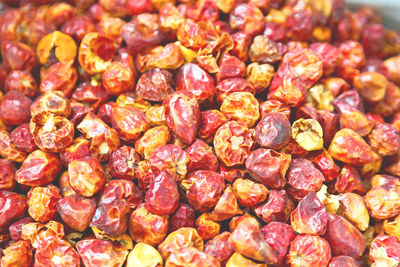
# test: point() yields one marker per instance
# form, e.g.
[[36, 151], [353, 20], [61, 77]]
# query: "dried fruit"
[[230, 67], [232, 143], [76, 211], [324, 162], [259, 75], [142, 31], [345, 238], [241, 107], [384, 139], [51, 133], [147, 227], [14, 108], [204, 188], [112, 218], [155, 85], [349, 147], [183, 216], [129, 122], [308, 134], [306, 64], [162, 197], [349, 180], [7, 174], [264, 50], [17, 254], [56, 252], [248, 240], [13, 206], [310, 216], [39, 168], [307, 250], [237, 260], [144, 255], [384, 250], [118, 78], [191, 257], [231, 85], [202, 157], [343, 261], [303, 177], [249, 193], [278, 207], [383, 201], [17, 55], [86, 176], [207, 227], [95, 252], [273, 131], [227, 206], [219, 247], [42, 202], [57, 44], [371, 86], [247, 18], [185, 237], [278, 235], [170, 158], [22, 81], [61, 76], [182, 114], [207, 133], [96, 52], [287, 87]]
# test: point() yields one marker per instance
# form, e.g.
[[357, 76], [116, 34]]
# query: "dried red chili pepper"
[[207, 133]]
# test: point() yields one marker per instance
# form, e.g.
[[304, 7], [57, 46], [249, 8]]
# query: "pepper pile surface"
[[198, 133]]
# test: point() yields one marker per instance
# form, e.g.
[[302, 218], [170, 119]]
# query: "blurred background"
[[389, 9]]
